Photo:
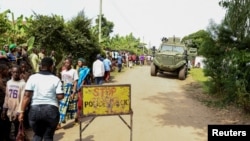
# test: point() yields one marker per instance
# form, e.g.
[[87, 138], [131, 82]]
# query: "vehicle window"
[[166, 48], [179, 49], [172, 48]]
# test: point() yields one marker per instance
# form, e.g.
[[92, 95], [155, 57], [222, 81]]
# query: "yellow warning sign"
[[106, 99]]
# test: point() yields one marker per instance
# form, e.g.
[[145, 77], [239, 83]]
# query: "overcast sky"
[[149, 20]]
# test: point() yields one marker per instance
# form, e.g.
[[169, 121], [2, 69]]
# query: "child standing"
[[14, 93]]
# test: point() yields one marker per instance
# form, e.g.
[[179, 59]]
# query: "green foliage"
[[117, 42], [49, 32], [83, 40], [4, 22], [196, 39], [126, 43], [73, 38], [30, 43], [4, 26], [106, 30], [12, 31], [227, 54], [198, 74]]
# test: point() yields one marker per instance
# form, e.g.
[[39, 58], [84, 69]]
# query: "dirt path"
[[165, 108]]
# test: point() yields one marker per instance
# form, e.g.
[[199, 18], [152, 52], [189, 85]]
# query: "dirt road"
[[165, 108]]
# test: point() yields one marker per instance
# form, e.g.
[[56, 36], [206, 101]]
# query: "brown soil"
[[230, 114]]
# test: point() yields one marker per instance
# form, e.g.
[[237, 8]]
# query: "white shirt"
[[45, 87], [98, 68], [69, 76], [14, 94], [148, 57]]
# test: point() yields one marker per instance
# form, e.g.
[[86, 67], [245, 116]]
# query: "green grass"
[[198, 75]]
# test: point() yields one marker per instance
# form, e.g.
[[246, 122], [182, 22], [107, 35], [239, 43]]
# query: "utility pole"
[[143, 45], [149, 47], [100, 22]]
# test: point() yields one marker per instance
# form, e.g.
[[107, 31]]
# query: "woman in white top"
[[68, 105]]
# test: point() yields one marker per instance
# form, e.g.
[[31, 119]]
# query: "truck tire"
[[182, 73], [153, 70]]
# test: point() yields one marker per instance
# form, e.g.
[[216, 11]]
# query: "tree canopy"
[[76, 37]]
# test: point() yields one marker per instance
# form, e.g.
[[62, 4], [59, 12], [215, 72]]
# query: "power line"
[[123, 16]]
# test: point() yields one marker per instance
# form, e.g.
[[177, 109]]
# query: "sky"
[[149, 20]]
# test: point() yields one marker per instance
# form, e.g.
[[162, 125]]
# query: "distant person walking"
[[119, 62], [44, 96], [142, 59], [98, 70], [107, 66], [130, 60]]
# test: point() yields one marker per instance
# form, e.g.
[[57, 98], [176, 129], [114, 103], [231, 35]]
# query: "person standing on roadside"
[[84, 79], [19, 55], [12, 54], [44, 96], [25, 56], [4, 51], [34, 59], [25, 72], [14, 93], [107, 66], [142, 59], [52, 55], [83, 73], [98, 70], [119, 62], [68, 105], [41, 54]]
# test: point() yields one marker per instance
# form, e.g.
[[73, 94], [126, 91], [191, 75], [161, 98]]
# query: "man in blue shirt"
[[119, 62], [107, 68]]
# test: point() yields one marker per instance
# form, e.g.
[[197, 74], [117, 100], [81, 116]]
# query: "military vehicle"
[[172, 57]]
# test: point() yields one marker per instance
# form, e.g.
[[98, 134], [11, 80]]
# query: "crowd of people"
[[129, 59], [31, 92]]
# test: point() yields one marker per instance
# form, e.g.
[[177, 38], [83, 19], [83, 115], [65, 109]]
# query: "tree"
[[196, 39], [4, 26], [125, 43], [84, 42], [73, 38], [106, 29], [49, 32], [12, 30], [237, 19], [227, 54]]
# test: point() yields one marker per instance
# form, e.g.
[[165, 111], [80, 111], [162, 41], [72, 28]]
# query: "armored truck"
[[171, 57]]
